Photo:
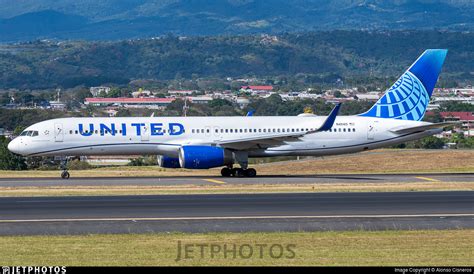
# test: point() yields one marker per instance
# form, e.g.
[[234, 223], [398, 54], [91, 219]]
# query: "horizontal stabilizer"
[[405, 130]]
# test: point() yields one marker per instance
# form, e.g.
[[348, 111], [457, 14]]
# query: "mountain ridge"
[[116, 20]]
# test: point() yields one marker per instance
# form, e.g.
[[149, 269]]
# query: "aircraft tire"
[[238, 172], [251, 172], [226, 172], [65, 175]]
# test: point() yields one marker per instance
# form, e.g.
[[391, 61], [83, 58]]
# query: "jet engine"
[[204, 157]]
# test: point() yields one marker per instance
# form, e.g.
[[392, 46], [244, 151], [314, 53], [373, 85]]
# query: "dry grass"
[[233, 188], [381, 161], [363, 248]]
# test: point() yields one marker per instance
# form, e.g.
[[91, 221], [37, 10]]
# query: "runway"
[[207, 180], [236, 212]]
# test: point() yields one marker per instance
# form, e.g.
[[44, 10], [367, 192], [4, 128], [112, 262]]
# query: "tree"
[[431, 142], [18, 130], [456, 106], [8, 160]]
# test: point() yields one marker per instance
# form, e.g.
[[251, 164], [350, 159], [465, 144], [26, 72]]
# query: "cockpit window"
[[31, 133]]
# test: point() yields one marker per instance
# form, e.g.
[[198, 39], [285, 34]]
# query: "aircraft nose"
[[13, 146]]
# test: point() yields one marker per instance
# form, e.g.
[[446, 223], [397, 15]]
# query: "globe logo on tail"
[[407, 99]]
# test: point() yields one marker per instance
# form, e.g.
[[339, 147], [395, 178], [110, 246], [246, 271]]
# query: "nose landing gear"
[[64, 173]]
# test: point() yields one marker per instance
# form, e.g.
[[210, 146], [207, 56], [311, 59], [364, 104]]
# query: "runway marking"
[[215, 181], [236, 218], [428, 179]]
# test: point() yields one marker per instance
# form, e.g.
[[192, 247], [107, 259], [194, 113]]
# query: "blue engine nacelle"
[[204, 157], [168, 162]]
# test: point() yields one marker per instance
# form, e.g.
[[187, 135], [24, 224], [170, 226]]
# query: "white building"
[[96, 91], [57, 105], [200, 99], [370, 96], [181, 92]]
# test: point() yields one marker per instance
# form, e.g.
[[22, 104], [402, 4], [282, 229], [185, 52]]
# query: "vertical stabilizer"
[[408, 98]]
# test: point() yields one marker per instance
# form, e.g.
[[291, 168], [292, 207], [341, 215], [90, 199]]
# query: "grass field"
[[378, 161], [390, 248]]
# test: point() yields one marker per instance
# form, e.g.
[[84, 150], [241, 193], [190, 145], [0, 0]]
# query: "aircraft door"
[[371, 130], [145, 134], [58, 132]]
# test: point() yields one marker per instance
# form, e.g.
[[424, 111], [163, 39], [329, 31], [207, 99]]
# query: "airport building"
[[153, 103]]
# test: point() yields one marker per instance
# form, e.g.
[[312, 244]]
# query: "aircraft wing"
[[275, 139], [405, 130]]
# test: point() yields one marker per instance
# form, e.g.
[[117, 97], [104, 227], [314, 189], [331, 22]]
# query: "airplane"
[[210, 142]]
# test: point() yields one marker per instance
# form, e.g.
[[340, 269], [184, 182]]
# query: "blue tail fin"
[[408, 98]]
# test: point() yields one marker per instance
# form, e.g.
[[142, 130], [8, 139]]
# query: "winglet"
[[250, 113], [329, 122]]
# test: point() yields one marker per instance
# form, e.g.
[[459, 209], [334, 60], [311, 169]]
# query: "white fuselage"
[[165, 135]]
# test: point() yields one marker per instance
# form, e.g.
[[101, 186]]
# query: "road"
[[236, 212], [206, 180]]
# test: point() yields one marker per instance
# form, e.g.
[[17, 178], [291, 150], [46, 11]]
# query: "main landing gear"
[[242, 158], [238, 172]]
